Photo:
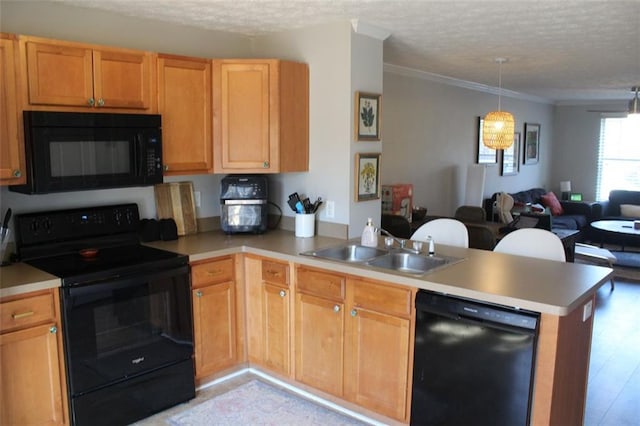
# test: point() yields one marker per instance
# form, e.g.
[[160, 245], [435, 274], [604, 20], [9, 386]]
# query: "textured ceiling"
[[559, 50]]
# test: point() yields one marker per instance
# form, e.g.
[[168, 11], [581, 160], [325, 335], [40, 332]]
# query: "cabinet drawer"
[[275, 272], [321, 283], [382, 298], [212, 272], [27, 311]]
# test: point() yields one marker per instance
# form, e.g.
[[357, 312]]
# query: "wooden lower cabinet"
[[214, 315], [33, 389], [268, 314], [377, 353], [320, 343], [353, 339]]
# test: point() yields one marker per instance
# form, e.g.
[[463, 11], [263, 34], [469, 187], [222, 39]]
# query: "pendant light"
[[499, 126], [634, 104]]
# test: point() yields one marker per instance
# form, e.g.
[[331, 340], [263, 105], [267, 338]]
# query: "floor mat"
[[257, 403]]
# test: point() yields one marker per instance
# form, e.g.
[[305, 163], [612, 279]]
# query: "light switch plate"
[[197, 195], [587, 310], [330, 210]]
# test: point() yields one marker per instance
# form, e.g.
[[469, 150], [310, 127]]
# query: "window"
[[618, 156]]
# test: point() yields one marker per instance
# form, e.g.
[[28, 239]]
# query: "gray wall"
[[430, 137], [577, 136]]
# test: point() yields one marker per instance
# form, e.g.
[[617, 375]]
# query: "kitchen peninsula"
[[563, 293]]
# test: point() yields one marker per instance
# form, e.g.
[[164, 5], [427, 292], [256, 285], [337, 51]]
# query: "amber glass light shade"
[[498, 130]]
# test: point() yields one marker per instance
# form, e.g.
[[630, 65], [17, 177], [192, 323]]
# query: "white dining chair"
[[532, 242], [445, 231]]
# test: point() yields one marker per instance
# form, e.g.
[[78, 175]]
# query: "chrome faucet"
[[402, 242]]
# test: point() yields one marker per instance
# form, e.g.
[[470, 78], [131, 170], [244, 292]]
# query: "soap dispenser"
[[369, 235]]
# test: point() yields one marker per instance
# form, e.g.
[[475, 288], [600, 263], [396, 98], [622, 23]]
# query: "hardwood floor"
[[613, 393]]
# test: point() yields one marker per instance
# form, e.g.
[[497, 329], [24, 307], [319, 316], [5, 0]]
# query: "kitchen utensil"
[[5, 225]]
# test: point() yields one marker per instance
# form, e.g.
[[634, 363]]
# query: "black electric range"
[[126, 312], [88, 244]]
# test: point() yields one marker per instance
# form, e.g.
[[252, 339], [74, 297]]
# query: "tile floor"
[[613, 397]]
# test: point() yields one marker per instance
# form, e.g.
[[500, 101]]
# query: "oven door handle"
[[118, 283]]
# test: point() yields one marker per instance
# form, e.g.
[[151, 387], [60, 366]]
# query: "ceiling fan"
[[634, 105]]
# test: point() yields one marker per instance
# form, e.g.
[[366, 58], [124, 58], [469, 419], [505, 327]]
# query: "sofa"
[[573, 214], [618, 200]]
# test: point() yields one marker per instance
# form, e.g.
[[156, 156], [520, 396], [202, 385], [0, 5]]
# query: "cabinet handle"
[[214, 273], [198, 293], [336, 308], [166, 167], [283, 293], [272, 273], [17, 173], [354, 312], [22, 315], [91, 102], [53, 330], [265, 164], [100, 102]]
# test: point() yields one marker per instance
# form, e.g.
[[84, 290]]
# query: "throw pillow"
[[629, 210], [550, 200]]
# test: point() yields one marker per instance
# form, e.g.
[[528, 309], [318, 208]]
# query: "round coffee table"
[[620, 231], [617, 226]]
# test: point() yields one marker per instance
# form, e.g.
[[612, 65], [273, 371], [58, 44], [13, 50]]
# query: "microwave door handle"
[[138, 155]]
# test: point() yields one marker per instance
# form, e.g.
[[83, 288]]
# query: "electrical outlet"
[[330, 209], [587, 310], [196, 195]]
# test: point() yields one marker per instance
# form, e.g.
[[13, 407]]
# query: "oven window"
[[120, 332], [89, 158]]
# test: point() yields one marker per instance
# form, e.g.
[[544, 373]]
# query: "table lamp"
[[565, 189]]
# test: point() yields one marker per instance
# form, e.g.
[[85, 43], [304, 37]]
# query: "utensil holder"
[[305, 225]]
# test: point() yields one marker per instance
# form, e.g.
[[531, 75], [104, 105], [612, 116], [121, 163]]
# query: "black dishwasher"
[[473, 362]]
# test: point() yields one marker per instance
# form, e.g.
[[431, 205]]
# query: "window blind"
[[618, 155]]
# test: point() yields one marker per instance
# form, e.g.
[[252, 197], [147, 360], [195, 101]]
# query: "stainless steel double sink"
[[398, 260]]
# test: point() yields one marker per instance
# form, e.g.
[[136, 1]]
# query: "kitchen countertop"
[[21, 278], [545, 286]]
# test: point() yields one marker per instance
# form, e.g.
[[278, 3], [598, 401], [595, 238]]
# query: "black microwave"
[[72, 151]]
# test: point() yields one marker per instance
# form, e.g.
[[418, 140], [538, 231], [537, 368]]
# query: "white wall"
[[366, 76], [430, 137], [326, 49], [46, 19]]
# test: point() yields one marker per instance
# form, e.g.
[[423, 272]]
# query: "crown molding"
[[365, 28], [470, 85]]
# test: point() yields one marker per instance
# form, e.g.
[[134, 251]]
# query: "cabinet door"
[[11, 147], [122, 79], [319, 343], [242, 107], [276, 327], [377, 361], [59, 74], [214, 328], [184, 100], [31, 390]]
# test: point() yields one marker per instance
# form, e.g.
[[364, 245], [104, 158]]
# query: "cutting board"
[[176, 201]]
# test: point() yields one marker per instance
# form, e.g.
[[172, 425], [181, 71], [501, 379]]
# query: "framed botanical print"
[[367, 117], [486, 155], [531, 151], [510, 157], [367, 174]]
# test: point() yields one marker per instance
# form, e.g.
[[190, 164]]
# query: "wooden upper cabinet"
[[261, 116], [80, 76], [11, 146], [184, 100]]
